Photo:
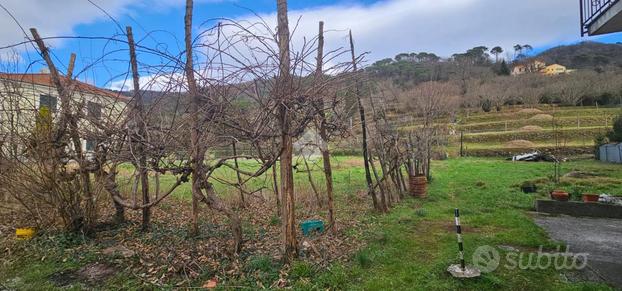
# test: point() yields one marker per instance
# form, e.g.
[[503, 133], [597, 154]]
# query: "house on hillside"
[[25, 98], [528, 67], [554, 69]]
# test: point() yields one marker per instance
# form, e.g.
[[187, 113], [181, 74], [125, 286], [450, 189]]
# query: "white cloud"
[[60, 17], [52, 18], [162, 82], [441, 26]]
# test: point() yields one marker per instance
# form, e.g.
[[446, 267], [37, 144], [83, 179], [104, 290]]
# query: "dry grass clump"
[[530, 111], [531, 128], [542, 117], [519, 143]]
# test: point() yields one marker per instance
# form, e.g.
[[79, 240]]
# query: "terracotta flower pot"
[[560, 195], [590, 198]]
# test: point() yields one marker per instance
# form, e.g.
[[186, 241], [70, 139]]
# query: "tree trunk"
[[383, 200], [400, 176], [195, 131], [328, 171], [328, 174], [109, 182], [276, 189], [140, 132], [212, 200], [313, 187], [235, 162], [290, 246], [370, 183]]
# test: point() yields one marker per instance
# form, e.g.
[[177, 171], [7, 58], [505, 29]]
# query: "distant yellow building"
[[554, 69], [528, 67]]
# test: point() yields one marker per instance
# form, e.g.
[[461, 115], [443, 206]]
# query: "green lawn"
[[411, 247], [407, 249]]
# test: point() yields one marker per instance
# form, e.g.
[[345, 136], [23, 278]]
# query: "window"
[[94, 110], [48, 102], [90, 145], [45, 114]]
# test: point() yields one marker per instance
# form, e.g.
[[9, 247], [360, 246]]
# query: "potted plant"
[[590, 198], [560, 195], [576, 194]]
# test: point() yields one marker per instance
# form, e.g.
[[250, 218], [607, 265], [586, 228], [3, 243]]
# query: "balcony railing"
[[592, 9]]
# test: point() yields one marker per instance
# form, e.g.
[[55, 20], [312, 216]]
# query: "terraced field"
[[517, 129]]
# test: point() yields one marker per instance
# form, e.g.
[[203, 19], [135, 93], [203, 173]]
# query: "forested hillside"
[[585, 55], [483, 75]]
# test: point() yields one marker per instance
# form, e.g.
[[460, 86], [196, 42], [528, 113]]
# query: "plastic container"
[[25, 233]]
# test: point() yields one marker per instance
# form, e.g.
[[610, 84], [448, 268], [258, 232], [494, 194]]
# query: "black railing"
[[592, 9]]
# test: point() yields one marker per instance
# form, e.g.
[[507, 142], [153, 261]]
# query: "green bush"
[[598, 142], [487, 105], [616, 134]]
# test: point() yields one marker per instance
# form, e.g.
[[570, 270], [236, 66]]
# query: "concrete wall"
[[611, 153]]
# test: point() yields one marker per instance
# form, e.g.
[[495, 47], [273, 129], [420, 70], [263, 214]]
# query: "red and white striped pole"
[[459, 235]]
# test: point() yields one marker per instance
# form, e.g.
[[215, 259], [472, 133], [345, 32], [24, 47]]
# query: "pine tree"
[[504, 69]]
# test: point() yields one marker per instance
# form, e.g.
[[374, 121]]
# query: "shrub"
[[616, 134], [598, 142], [487, 105]]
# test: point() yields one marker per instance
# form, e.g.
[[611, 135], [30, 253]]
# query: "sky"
[[382, 28]]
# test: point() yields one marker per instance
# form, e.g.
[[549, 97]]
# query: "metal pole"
[[462, 144], [459, 235], [581, 17]]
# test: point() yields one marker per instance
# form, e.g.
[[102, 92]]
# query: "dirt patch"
[[530, 111], [92, 274], [542, 117], [531, 128], [580, 175], [519, 143], [96, 272], [119, 251]]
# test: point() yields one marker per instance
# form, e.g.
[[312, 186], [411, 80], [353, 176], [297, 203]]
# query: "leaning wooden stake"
[[313, 187], [328, 171], [276, 189], [370, 183], [139, 132], [68, 120]]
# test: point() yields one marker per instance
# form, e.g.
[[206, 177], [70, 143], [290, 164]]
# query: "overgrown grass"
[[413, 253], [407, 249]]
